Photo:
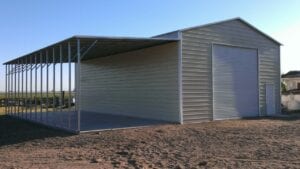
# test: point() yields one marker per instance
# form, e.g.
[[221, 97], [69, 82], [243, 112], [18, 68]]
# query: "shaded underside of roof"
[[90, 47]]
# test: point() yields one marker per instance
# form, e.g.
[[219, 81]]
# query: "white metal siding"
[[141, 83], [196, 65], [270, 99], [235, 82]]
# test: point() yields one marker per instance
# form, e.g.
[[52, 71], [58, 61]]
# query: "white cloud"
[[290, 51]]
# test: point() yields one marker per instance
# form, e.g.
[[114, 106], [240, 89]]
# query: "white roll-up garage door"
[[235, 82]]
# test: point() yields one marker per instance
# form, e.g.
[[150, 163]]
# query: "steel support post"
[[26, 88], [31, 90], [15, 92], [8, 90], [35, 86], [41, 86], [75, 83], [61, 77], [11, 89], [78, 85], [22, 87], [54, 100], [70, 79], [47, 85], [6, 96], [18, 89]]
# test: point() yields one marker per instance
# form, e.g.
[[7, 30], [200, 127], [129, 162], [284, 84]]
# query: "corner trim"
[[180, 78]]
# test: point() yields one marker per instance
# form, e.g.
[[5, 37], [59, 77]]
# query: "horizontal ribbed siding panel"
[[141, 83], [196, 65]]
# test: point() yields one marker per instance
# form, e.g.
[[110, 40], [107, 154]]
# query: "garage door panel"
[[235, 82]]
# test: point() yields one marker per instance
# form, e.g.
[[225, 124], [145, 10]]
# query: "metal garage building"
[[222, 70]]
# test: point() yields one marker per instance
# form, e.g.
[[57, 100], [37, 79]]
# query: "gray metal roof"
[[228, 20], [291, 74], [100, 46], [90, 47]]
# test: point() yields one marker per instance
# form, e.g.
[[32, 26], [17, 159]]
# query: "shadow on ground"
[[283, 117], [13, 131]]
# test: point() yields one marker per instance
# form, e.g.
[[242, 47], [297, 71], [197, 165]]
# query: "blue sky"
[[32, 24]]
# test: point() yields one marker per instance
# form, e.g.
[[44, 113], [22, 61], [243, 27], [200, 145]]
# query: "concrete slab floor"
[[98, 121]]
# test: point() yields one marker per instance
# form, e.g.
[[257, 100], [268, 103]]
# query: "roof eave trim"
[[227, 20], [92, 37], [43, 48]]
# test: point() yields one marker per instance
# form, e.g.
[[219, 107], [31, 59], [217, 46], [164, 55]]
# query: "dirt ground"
[[252, 143]]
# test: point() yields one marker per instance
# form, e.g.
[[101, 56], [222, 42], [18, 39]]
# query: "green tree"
[[283, 87]]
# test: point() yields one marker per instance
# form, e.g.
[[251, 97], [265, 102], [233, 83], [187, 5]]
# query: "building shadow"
[[283, 117], [13, 131]]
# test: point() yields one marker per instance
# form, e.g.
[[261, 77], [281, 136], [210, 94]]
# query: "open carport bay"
[[91, 121]]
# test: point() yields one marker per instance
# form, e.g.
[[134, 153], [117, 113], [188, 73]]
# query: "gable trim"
[[228, 20]]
